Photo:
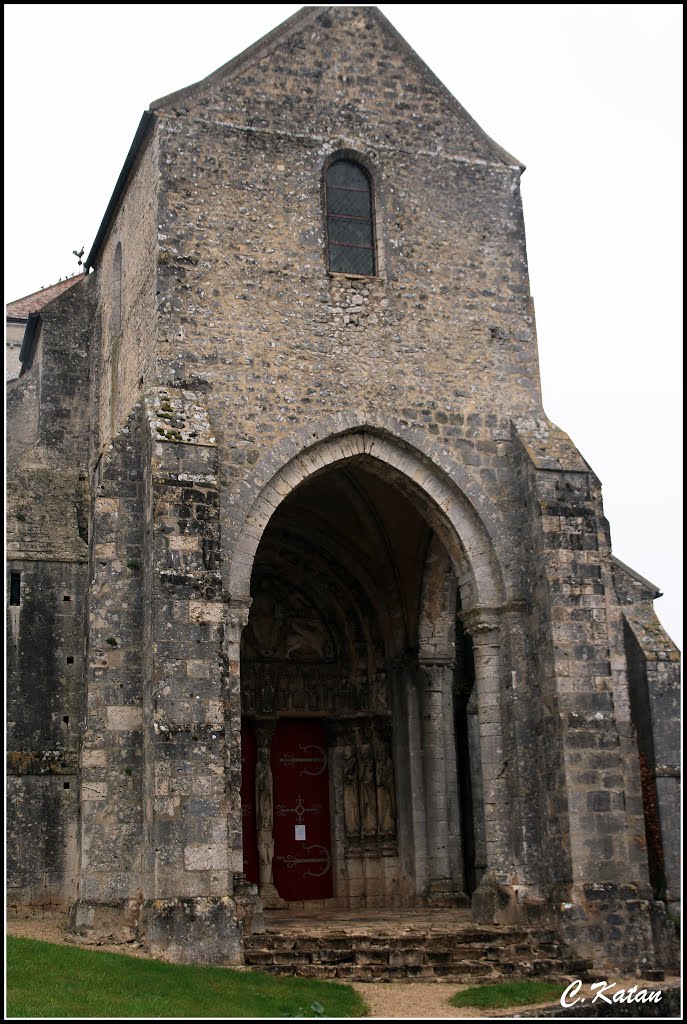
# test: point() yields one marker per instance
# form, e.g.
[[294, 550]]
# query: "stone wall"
[[112, 743], [654, 682], [47, 582], [595, 795], [45, 703], [278, 341], [191, 734], [124, 319], [157, 828]]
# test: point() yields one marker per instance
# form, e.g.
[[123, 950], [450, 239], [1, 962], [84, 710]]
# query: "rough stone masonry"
[[309, 602]]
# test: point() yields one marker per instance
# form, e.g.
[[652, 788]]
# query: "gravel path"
[[415, 999]]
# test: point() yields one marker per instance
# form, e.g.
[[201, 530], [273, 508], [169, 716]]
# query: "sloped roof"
[[635, 576], [20, 309]]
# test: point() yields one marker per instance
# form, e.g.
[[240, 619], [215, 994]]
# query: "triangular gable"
[[242, 60], [482, 146]]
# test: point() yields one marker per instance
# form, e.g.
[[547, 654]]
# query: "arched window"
[[350, 226]]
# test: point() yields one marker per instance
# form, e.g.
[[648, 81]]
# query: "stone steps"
[[466, 953]]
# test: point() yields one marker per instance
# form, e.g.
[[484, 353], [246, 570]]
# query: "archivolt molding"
[[350, 421], [445, 506], [465, 538]]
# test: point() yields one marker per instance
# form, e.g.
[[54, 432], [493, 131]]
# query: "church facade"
[[309, 602]]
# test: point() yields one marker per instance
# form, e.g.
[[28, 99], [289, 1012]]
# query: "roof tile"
[[21, 308]]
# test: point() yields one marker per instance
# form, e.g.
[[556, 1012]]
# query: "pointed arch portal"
[[363, 773]]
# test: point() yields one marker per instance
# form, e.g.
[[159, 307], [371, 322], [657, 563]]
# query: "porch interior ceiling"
[[348, 549]]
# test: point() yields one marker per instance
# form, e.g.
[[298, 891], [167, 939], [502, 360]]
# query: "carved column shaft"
[[264, 814], [235, 620], [488, 686], [436, 684], [472, 719]]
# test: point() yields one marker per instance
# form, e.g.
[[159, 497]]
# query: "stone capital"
[[264, 730], [237, 611], [483, 624]]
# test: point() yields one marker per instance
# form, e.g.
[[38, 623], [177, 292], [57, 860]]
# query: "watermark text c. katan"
[[606, 992]]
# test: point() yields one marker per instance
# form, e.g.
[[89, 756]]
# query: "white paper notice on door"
[[299, 832]]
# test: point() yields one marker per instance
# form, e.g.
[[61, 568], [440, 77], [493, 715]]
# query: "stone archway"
[[338, 558]]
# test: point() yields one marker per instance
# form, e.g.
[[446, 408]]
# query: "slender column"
[[440, 778], [264, 804], [453, 783], [412, 810], [472, 717], [236, 612], [486, 639]]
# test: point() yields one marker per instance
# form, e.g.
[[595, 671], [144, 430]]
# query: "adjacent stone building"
[[308, 599], [19, 315]]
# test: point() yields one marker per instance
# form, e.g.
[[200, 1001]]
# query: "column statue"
[[368, 797], [386, 791], [351, 792], [264, 818]]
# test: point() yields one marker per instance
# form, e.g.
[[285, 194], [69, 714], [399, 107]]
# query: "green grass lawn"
[[45, 980], [507, 994]]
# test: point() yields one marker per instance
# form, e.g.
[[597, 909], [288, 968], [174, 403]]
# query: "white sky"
[[588, 96]]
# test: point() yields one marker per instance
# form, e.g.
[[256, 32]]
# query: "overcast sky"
[[588, 96]]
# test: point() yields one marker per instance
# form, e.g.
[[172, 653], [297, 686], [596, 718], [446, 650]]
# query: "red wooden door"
[[302, 865], [251, 864]]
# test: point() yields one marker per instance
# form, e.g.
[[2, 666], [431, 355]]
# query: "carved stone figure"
[[351, 793], [368, 786], [264, 814], [386, 791], [380, 692], [265, 624], [305, 639]]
